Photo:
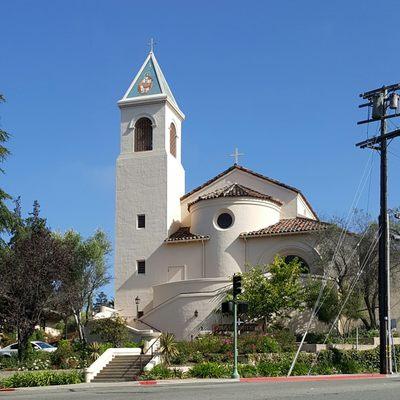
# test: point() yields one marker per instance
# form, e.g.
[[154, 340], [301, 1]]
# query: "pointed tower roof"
[[149, 85]]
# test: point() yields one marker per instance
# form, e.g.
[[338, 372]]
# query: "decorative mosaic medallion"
[[145, 85]]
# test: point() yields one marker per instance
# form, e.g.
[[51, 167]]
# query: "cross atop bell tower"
[[152, 43]]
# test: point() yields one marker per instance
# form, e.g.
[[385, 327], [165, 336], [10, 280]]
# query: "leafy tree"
[[344, 251], [30, 271], [87, 274], [330, 305], [112, 330], [6, 217], [101, 300], [274, 290]]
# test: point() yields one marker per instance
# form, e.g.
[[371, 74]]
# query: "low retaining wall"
[[368, 344]]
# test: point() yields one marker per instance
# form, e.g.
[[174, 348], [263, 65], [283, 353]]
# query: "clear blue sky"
[[280, 80]]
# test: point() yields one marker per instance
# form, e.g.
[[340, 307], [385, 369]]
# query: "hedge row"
[[42, 378]]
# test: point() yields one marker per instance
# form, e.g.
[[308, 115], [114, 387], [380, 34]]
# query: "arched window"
[[304, 268], [143, 135], [172, 139]]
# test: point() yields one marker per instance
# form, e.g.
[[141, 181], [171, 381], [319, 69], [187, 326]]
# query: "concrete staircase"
[[123, 368]]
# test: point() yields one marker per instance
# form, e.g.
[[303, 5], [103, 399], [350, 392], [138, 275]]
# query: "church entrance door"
[[176, 273]]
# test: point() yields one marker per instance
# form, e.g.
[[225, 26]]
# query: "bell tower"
[[150, 181]]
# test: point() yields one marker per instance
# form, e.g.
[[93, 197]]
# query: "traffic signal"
[[227, 307], [237, 285]]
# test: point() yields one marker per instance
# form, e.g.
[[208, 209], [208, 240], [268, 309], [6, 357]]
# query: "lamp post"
[[137, 302], [236, 289]]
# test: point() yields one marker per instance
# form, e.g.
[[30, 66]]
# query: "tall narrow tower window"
[[172, 139], [141, 266], [141, 221], [143, 135]]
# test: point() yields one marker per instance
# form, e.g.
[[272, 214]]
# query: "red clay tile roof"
[[183, 234], [240, 168], [288, 227], [235, 190]]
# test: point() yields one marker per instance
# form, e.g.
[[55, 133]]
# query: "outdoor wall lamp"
[[137, 302]]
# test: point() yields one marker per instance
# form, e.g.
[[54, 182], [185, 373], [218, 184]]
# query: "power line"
[[352, 286], [318, 304]]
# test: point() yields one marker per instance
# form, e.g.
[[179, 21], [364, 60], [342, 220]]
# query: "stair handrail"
[[220, 290], [152, 347]]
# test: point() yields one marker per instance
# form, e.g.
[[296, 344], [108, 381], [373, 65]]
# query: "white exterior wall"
[[262, 250], [302, 208], [177, 314], [225, 251], [289, 198], [149, 183], [138, 196], [175, 171]]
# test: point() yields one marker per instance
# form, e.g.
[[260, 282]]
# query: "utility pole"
[[381, 100]]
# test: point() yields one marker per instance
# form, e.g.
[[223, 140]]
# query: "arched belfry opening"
[[172, 139], [143, 135]]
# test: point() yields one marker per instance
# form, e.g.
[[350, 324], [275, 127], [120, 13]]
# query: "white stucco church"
[[176, 251]]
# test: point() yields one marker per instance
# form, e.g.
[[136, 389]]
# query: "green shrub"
[[111, 329], [300, 368], [270, 345], [266, 368], [198, 357], [7, 363], [105, 346], [315, 337], [247, 370], [179, 359], [42, 378], [250, 344], [285, 338], [177, 373], [160, 371], [349, 362], [39, 334], [210, 370], [64, 351], [212, 344], [37, 360], [185, 349]]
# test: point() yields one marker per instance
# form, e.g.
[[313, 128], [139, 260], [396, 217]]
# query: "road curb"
[[313, 378]]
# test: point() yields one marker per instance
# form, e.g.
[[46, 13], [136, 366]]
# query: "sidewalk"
[[196, 381]]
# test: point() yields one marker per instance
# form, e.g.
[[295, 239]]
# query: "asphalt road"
[[371, 389]]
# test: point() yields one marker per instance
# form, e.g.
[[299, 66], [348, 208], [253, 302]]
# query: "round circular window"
[[224, 220]]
